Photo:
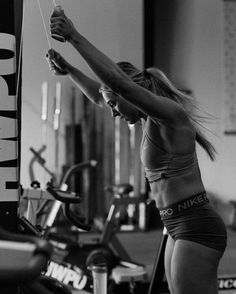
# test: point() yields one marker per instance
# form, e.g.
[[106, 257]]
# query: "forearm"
[[107, 70], [88, 86]]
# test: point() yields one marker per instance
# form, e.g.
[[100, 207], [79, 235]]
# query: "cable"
[[54, 3], [44, 23]]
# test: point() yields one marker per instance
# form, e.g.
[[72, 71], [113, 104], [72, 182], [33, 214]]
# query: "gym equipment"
[[120, 198], [30, 254], [158, 284], [38, 158], [72, 261], [57, 12], [23, 258], [134, 208], [75, 259], [35, 210], [69, 274], [136, 283], [128, 277]]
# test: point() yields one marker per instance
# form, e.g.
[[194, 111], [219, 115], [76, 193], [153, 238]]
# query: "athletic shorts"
[[195, 220]]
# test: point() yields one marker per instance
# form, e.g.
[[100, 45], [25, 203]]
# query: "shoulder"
[[181, 129], [180, 120]]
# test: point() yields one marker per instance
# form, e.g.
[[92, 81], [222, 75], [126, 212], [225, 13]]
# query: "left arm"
[[111, 75]]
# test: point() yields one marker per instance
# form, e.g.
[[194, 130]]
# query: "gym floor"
[[148, 243], [142, 247]]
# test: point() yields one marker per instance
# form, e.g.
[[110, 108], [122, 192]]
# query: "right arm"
[[88, 86], [113, 77]]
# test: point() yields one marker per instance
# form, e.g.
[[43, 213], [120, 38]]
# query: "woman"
[[197, 235]]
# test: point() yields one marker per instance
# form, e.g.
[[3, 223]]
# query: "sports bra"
[[159, 164]]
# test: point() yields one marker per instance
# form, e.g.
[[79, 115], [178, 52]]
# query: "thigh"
[[194, 268], [168, 256]]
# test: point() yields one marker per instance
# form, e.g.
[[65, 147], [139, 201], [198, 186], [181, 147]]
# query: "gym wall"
[[190, 45], [115, 27]]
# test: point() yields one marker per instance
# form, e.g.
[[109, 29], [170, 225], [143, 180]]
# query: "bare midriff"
[[168, 191]]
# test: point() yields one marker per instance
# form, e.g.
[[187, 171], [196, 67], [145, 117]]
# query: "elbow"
[[99, 102]]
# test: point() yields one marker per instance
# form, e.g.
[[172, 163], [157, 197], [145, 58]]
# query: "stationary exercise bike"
[[134, 283], [107, 249], [59, 268], [23, 259], [72, 258]]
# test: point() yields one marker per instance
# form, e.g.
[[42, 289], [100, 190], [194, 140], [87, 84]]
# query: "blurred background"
[[193, 42]]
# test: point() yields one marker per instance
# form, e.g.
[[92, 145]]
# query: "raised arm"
[[111, 75], [88, 86]]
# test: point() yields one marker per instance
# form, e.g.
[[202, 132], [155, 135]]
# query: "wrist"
[[69, 68], [74, 39]]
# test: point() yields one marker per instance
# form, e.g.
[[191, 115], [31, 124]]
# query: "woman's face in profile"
[[119, 107]]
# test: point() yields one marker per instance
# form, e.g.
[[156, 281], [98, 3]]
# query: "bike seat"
[[120, 189], [122, 274]]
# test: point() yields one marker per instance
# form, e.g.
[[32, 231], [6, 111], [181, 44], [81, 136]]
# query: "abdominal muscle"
[[168, 191]]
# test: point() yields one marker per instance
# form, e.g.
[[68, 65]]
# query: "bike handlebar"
[[76, 220], [64, 196], [40, 251], [76, 167], [68, 198]]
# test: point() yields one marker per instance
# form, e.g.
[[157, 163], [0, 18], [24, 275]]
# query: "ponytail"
[[163, 86], [156, 81]]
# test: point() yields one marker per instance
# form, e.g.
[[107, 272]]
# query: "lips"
[[128, 120], [123, 117]]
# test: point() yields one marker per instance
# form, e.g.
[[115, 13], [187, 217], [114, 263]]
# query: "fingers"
[[56, 63], [57, 23], [56, 31], [58, 11], [61, 26], [51, 59], [57, 19], [58, 28], [51, 53], [52, 66]]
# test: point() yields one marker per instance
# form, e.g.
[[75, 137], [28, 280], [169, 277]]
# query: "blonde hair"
[[156, 81]]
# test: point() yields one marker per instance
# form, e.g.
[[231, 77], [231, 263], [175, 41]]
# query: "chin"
[[131, 121]]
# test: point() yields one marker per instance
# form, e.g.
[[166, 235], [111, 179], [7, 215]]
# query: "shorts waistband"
[[193, 201]]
